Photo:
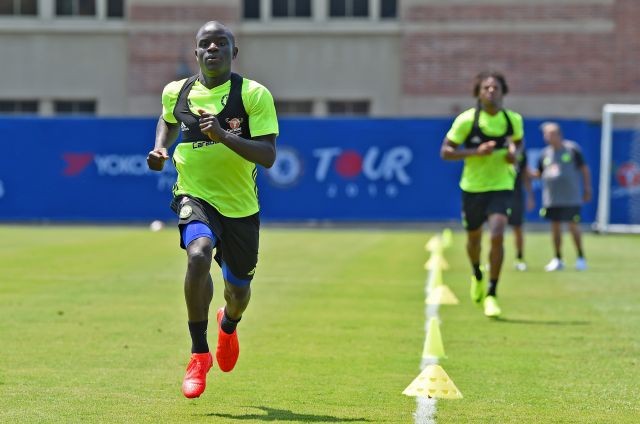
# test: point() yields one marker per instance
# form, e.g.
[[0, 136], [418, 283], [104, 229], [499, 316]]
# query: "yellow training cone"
[[441, 295], [433, 347], [433, 382], [436, 261], [434, 244], [447, 236]]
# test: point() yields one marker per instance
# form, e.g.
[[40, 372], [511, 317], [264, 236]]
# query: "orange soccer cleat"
[[228, 348], [195, 380]]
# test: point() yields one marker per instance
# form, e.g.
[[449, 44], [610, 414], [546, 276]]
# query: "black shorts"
[[561, 213], [476, 207], [516, 217], [238, 238]]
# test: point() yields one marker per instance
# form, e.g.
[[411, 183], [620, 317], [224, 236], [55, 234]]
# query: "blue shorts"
[[236, 239]]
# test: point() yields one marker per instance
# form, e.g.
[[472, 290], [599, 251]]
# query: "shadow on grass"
[[273, 414], [540, 322]]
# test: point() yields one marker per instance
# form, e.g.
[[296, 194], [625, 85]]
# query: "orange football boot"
[[195, 380], [228, 348]]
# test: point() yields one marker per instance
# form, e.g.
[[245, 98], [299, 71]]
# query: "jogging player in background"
[[228, 125], [522, 192], [486, 138], [563, 170]]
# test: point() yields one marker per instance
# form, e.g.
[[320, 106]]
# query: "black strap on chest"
[[476, 136], [233, 116]]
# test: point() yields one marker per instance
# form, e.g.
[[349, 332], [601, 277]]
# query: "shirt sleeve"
[[460, 128], [577, 155], [518, 126], [169, 98], [260, 107]]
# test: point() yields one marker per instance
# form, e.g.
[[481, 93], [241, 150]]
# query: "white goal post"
[[603, 224]]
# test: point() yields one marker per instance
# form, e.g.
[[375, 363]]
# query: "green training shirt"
[[491, 172], [214, 172]]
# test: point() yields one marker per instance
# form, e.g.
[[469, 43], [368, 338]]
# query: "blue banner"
[[624, 203], [94, 169]]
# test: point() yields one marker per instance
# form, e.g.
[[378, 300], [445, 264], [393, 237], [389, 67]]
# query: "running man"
[[486, 138], [563, 169], [228, 125]]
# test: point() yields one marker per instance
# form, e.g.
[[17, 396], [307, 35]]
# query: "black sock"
[[519, 256], [559, 256], [580, 253], [493, 286], [477, 271], [227, 324], [198, 331]]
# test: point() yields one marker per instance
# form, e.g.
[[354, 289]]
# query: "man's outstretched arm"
[[166, 135]]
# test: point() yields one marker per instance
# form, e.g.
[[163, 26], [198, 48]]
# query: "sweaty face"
[[214, 49], [490, 93]]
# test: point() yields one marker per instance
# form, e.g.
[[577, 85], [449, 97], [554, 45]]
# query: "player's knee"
[[199, 257]]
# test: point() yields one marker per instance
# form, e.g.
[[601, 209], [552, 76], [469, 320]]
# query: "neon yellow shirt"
[[491, 172], [214, 172]]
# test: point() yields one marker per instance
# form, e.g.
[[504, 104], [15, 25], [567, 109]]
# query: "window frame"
[[75, 106], [17, 7], [350, 107], [305, 107], [291, 13], [19, 106]]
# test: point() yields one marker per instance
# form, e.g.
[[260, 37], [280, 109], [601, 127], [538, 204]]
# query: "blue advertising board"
[[94, 169], [624, 203]]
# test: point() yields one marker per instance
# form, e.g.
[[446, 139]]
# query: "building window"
[[350, 107], [76, 7], [349, 8], [19, 7], [18, 106], [251, 9], [388, 9], [294, 107], [115, 8], [74, 107], [291, 8]]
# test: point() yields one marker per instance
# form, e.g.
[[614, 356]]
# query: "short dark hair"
[[489, 74]]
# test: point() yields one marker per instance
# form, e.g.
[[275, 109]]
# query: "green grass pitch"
[[93, 329]]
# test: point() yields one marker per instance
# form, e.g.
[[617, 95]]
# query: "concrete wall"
[[326, 66], [66, 67]]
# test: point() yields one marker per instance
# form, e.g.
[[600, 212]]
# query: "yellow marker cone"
[[433, 347], [441, 295], [436, 261], [447, 236], [433, 382], [434, 244]]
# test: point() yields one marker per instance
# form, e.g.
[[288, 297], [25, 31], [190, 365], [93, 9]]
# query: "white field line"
[[426, 408]]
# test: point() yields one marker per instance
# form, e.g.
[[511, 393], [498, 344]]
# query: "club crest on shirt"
[[185, 211], [235, 125]]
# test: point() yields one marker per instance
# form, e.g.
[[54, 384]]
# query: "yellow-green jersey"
[[209, 170], [491, 172]]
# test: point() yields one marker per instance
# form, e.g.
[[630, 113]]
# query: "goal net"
[[619, 186]]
